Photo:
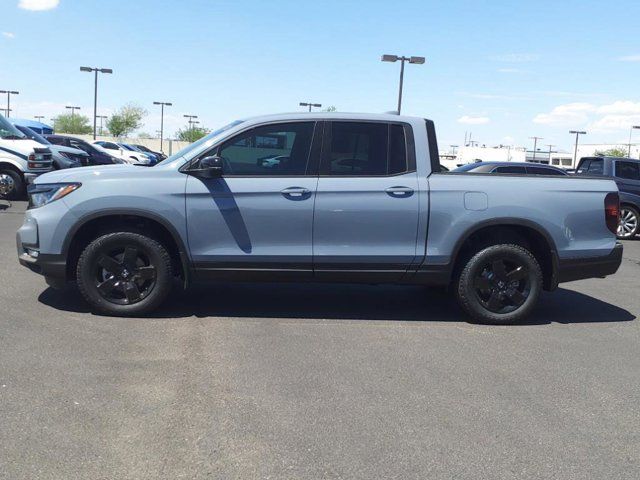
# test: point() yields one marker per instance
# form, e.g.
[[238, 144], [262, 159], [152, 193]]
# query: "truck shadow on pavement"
[[345, 302]]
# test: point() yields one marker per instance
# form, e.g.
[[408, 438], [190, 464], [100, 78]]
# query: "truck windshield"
[[9, 132], [33, 135]]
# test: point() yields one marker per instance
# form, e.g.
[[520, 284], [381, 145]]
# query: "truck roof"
[[387, 117]]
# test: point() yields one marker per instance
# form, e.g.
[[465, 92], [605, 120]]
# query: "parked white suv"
[[21, 160]]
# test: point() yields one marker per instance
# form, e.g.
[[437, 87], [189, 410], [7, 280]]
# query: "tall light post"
[[73, 110], [162, 105], [453, 148], [9, 93], [95, 91], [102, 117], [309, 104], [395, 58], [191, 120], [577, 133], [550, 147], [633, 127], [39, 117], [535, 146]]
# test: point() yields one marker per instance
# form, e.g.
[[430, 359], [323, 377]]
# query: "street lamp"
[[38, 117], [191, 120], [102, 117], [550, 147], [9, 93], [535, 146], [95, 92], [395, 58], [162, 105], [633, 127], [308, 104], [577, 133], [73, 110], [453, 148]]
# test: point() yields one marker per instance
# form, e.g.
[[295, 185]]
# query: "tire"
[[124, 274], [629, 222], [12, 182], [499, 285]]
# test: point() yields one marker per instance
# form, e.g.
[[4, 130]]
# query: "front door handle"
[[295, 192], [399, 191]]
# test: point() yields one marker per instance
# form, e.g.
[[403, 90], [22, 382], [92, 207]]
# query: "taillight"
[[612, 211]]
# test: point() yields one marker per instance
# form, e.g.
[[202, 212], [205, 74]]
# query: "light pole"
[[550, 147], [95, 91], [191, 120], [73, 110], [577, 133], [102, 117], [535, 146], [9, 93], [395, 58], [633, 127], [309, 104], [453, 148], [162, 105], [39, 117]]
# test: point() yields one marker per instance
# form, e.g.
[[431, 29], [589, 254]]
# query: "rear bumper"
[[592, 267]]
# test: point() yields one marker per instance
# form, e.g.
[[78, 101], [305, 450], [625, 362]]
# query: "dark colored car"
[[161, 156], [626, 173], [96, 156], [514, 168]]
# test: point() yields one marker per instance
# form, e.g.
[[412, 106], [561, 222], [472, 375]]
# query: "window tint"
[[81, 145], [281, 149], [513, 170], [629, 170], [542, 171], [596, 167], [56, 140], [583, 166], [366, 149]]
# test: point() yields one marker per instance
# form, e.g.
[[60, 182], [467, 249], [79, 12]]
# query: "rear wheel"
[[124, 273], [628, 226], [500, 284], [11, 184]]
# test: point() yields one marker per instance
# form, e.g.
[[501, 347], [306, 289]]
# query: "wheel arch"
[[526, 233], [103, 221]]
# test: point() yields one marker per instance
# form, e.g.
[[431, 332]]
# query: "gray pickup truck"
[[322, 198]]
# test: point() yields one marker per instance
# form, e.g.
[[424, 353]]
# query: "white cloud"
[[38, 5], [566, 115], [621, 107], [516, 57], [629, 58], [472, 120], [8, 35]]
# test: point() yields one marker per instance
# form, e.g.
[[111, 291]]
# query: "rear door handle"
[[399, 191], [295, 192]]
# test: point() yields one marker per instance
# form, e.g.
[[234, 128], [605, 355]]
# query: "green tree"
[[612, 152], [126, 120], [191, 134], [331, 108], [75, 124]]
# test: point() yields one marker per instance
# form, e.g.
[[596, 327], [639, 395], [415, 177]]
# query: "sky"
[[502, 71]]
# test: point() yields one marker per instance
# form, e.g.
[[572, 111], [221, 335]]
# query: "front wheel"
[[500, 285], [628, 226], [124, 273], [12, 185]]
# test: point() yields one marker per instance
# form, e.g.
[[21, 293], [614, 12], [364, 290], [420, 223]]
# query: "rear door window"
[[511, 170], [628, 170], [596, 167], [542, 171]]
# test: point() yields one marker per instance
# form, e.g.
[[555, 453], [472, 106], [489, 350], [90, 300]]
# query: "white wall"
[[170, 146]]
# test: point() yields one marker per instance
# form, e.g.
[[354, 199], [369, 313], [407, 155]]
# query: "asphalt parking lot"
[[307, 381]]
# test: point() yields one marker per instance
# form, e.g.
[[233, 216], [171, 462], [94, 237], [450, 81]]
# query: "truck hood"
[[89, 174], [19, 148]]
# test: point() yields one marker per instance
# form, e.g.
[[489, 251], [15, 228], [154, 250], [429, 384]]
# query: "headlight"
[[41, 194]]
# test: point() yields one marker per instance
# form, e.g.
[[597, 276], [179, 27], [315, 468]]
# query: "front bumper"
[[591, 267]]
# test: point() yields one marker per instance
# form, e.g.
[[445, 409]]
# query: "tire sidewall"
[[18, 184], [466, 291], [637, 214], [154, 251]]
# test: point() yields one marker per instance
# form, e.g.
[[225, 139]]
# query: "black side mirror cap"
[[210, 167]]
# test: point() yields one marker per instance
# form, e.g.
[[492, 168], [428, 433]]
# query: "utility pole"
[[9, 93], [395, 58], [575, 151], [535, 147]]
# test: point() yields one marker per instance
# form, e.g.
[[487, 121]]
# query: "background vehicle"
[[21, 160], [514, 168], [626, 173], [127, 155], [63, 157], [133, 148], [359, 198], [161, 156], [96, 155]]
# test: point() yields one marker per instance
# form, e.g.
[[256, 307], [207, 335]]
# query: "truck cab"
[[21, 160]]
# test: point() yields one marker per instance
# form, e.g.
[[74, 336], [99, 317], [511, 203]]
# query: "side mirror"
[[210, 167]]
